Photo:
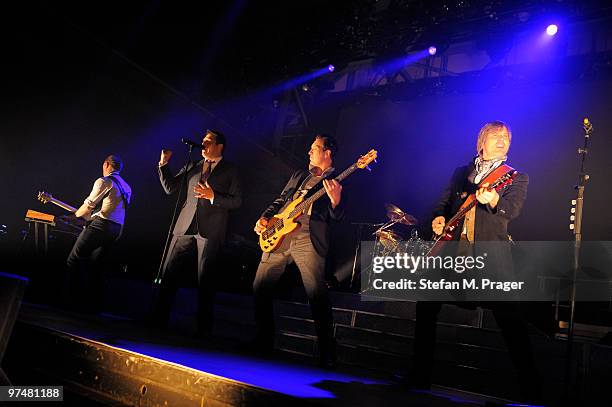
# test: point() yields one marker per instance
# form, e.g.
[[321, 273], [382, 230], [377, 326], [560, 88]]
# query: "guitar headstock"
[[44, 197], [366, 159], [504, 180]]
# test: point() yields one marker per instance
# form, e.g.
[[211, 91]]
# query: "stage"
[[116, 361]]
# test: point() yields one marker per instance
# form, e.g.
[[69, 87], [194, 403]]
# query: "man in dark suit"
[[486, 222], [213, 189], [307, 247]]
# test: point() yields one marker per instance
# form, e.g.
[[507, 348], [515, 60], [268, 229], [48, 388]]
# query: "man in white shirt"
[[112, 195]]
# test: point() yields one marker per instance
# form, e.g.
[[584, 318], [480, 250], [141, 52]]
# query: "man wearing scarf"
[[486, 222]]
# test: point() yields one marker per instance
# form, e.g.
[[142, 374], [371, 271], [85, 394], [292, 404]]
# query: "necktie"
[[206, 170]]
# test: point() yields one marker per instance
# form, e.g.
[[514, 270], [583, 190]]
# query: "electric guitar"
[[70, 221], [499, 178], [285, 222]]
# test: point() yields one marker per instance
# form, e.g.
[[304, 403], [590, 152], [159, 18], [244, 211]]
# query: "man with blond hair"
[[486, 222]]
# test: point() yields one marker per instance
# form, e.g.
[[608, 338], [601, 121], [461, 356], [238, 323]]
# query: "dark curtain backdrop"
[[421, 141]]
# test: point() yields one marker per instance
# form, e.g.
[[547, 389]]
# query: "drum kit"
[[389, 240]]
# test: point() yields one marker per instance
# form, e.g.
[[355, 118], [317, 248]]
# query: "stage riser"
[[126, 377], [467, 357], [121, 294], [378, 336], [121, 301], [478, 348], [378, 331], [499, 382], [451, 367]]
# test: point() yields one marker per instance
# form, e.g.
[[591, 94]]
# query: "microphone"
[[192, 143]]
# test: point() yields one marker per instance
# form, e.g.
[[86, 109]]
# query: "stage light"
[[432, 50], [331, 68], [305, 87], [552, 29]]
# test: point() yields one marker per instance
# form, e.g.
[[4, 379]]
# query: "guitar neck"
[[462, 212], [304, 205], [63, 205], [497, 185]]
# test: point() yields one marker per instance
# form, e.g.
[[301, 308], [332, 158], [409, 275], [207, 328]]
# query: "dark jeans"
[[85, 282], [312, 271], [513, 329], [181, 249]]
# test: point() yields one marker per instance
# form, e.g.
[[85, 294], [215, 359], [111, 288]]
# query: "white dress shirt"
[[105, 190]]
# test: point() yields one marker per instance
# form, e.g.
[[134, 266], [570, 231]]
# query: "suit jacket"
[[490, 224], [211, 218], [322, 213]]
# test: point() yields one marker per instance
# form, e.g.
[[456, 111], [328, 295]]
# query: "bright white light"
[[331, 68], [552, 29], [432, 50]]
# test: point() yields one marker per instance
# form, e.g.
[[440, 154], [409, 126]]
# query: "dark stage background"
[[69, 102]]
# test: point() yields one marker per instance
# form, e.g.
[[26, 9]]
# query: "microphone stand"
[[160, 270], [360, 225], [576, 226]]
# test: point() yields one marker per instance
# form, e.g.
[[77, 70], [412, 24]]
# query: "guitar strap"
[[489, 177], [307, 188], [126, 203]]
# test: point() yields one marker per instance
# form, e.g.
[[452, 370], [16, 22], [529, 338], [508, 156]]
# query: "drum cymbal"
[[388, 239], [388, 235], [395, 214]]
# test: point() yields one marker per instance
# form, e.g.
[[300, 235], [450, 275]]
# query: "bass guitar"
[[285, 222], [70, 221]]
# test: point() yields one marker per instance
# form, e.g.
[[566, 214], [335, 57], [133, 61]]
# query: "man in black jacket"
[[307, 247], [213, 189], [486, 222]]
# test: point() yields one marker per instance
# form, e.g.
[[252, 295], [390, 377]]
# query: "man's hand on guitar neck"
[[334, 191], [437, 225], [261, 225], [486, 196]]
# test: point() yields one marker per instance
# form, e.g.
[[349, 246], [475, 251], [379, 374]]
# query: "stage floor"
[[292, 376]]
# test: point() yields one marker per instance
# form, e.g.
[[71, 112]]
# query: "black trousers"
[[181, 250], [85, 279], [312, 271], [513, 329]]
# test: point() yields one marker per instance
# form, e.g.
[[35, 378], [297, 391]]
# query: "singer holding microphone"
[[213, 189]]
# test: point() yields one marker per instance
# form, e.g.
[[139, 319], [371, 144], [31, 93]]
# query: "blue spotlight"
[[552, 29], [331, 68], [432, 50]]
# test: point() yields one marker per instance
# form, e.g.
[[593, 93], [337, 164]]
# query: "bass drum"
[[415, 246]]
